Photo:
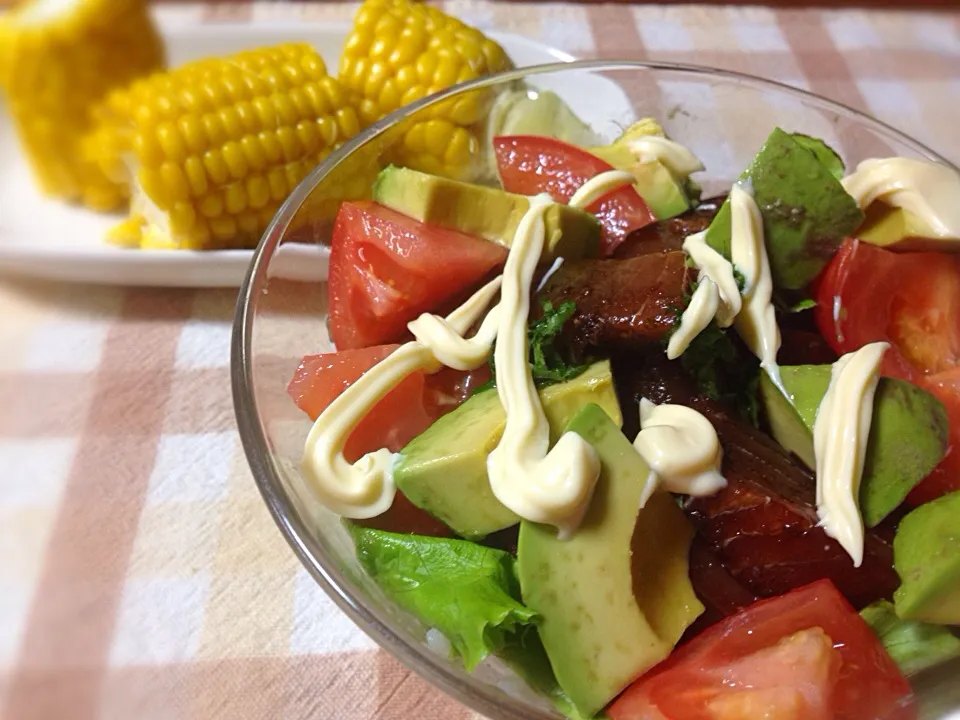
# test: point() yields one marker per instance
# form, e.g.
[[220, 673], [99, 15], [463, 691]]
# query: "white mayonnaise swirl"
[[539, 484], [840, 436], [681, 448], [928, 190], [675, 157], [366, 488]]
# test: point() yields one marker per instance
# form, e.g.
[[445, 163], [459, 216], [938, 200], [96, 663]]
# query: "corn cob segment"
[[400, 51], [212, 149], [57, 59]]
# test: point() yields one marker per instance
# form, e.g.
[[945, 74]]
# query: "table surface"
[[142, 576]]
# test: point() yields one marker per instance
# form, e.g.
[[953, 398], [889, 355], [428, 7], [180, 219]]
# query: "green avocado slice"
[[908, 433], [615, 597], [444, 469], [926, 555], [486, 212], [806, 212]]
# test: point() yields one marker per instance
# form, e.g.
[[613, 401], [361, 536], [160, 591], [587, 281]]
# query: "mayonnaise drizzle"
[[674, 156], [929, 190], [715, 266], [703, 307], [539, 484], [757, 321], [366, 489], [752, 315], [600, 185], [840, 436], [682, 449]]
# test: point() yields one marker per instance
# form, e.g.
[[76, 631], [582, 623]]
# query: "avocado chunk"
[[444, 469], [908, 433], [486, 212], [926, 555], [615, 597], [806, 212], [665, 194], [901, 230]]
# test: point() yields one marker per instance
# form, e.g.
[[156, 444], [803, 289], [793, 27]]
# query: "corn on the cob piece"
[[400, 51], [212, 149], [57, 59]]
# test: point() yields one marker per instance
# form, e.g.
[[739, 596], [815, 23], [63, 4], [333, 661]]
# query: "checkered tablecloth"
[[141, 577]]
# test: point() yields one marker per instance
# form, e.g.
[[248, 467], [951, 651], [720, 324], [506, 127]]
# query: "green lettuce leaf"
[[912, 645], [466, 591], [827, 156]]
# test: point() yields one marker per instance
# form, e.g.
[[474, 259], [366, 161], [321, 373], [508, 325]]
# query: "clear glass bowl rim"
[[267, 475]]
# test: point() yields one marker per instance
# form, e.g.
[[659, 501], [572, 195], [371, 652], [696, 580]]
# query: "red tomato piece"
[[386, 269], [912, 300], [394, 421], [946, 476], [532, 164], [803, 655]]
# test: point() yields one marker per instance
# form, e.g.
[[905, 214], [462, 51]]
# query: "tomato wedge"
[[912, 300], [531, 164], [386, 269], [806, 655]]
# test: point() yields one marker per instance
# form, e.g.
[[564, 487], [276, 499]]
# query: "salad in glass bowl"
[[650, 421]]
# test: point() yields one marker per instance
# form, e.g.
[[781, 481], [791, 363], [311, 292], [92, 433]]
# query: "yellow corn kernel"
[[258, 192], [127, 233], [216, 168], [196, 176], [399, 51], [277, 180], [58, 61], [183, 217], [212, 206], [253, 152], [235, 160], [224, 228], [236, 199]]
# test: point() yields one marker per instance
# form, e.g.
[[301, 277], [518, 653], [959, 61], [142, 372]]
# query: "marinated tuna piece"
[[668, 235], [621, 304], [763, 525]]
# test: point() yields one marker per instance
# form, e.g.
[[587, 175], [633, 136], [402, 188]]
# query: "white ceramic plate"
[[44, 238]]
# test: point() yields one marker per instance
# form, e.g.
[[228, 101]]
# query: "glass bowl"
[[724, 117]]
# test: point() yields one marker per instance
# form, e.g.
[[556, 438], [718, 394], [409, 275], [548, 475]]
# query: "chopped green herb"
[[805, 304], [546, 361], [741, 280]]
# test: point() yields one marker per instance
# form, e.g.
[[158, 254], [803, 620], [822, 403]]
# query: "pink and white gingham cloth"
[[141, 577]]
